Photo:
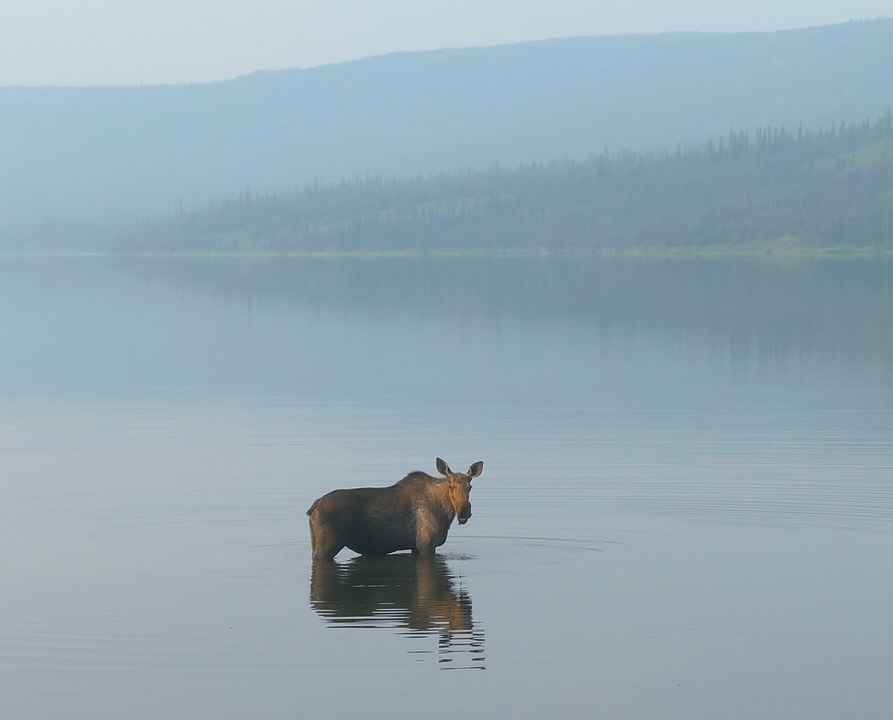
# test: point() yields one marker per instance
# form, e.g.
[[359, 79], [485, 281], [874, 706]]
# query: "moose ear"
[[443, 468], [476, 469]]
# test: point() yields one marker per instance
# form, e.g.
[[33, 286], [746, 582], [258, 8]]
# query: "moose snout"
[[463, 516]]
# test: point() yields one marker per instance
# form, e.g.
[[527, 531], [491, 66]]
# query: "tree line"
[[770, 187]]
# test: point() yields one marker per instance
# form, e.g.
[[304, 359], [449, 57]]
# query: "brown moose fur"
[[414, 514]]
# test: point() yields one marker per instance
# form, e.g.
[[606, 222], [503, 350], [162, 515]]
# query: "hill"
[[771, 189], [100, 154]]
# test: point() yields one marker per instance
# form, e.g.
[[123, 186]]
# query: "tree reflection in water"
[[401, 591]]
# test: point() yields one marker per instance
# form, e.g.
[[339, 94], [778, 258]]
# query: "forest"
[[767, 189]]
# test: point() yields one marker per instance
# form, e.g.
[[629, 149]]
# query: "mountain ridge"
[[106, 154]]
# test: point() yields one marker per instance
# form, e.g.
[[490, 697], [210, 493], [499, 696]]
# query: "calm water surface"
[[686, 509]]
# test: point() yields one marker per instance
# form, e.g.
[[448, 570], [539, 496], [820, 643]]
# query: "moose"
[[413, 514]]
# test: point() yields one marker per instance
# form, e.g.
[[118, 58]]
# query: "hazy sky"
[[84, 42]]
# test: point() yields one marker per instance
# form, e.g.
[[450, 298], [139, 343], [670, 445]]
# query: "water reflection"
[[819, 304], [559, 333], [420, 595]]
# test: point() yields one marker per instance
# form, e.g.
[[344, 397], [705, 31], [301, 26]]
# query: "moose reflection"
[[416, 593]]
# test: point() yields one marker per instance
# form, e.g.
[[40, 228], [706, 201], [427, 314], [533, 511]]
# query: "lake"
[[686, 508]]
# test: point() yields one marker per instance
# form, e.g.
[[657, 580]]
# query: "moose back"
[[413, 514]]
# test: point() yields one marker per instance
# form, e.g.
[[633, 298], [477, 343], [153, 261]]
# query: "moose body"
[[414, 514]]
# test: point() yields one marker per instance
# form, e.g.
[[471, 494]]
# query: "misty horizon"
[[49, 43], [262, 70], [78, 159]]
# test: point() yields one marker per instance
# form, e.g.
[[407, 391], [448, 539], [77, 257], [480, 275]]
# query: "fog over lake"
[[685, 511]]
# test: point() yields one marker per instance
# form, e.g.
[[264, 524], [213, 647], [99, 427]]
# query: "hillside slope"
[[770, 189], [115, 153]]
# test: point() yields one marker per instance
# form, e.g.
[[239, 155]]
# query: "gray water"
[[686, 509]]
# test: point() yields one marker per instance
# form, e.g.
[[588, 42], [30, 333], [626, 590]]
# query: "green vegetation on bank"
[[767, 190]]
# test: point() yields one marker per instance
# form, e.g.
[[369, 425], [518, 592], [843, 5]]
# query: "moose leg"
[[325, 541], [424, 545], [327, 550]]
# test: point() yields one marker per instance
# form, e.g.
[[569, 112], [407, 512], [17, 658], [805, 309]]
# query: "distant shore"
[[717, 252]]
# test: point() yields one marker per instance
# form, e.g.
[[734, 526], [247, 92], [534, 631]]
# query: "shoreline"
[[537, 253]]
